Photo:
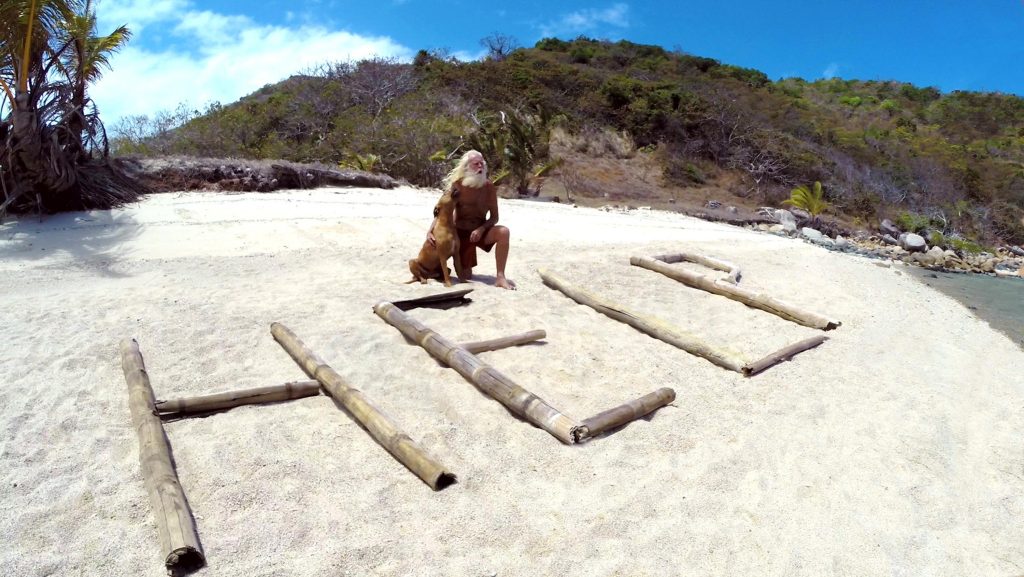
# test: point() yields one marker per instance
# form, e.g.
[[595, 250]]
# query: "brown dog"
[[432, 262]]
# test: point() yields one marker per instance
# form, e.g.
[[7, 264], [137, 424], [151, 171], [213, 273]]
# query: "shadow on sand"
[[92, 240]]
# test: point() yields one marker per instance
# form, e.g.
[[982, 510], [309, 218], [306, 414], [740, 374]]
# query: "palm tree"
[[82, 64], [48, 55]]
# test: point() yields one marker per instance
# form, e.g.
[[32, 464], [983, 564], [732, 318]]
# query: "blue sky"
[[199, 51]]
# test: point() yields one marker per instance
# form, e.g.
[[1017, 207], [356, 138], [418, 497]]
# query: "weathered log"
[[783, 354], [625, 413], [380, 427], [713, 263], [517, 399], [652, 326], [747, 297], [220, 401], [179, 540], [503, 342], [440, 300]]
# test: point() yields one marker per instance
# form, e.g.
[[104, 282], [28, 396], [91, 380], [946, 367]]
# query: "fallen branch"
[[380, 427], [179, 540]]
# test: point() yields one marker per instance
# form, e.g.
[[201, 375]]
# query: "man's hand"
[[431, 239], [476, 235]]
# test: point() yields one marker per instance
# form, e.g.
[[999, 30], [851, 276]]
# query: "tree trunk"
[[44, 167]]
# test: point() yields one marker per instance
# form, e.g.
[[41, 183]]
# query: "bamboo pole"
[[219, 401], [783, 354], [179, 540], [517, 399], [747, 297], [713, 263], [380, 427], [627, 412], [503, 342], [652, 326]]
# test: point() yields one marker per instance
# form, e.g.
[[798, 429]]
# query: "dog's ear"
[[436, 211]]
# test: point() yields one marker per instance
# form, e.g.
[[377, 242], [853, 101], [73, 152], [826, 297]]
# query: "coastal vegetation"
[[54, 153], [608, 121]]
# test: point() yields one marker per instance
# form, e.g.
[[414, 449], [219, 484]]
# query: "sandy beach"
[[894, 448]]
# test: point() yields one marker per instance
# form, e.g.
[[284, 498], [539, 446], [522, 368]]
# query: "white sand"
[[895, 448]]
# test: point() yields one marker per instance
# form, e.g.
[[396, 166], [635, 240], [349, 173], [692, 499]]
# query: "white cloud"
[[220, 58], [588, 20], [137, 14], [831, 71]]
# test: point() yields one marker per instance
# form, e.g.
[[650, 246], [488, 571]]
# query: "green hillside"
[[618, 120]]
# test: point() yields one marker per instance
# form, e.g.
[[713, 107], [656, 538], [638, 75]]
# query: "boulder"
[[935, 257], [801, 214], [888, 239], [811, 234], [887, 227], [911, 242]]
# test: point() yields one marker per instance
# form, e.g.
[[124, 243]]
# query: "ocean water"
[[996, 300]]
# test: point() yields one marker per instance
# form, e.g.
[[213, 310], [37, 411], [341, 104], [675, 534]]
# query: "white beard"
[[475, 180]]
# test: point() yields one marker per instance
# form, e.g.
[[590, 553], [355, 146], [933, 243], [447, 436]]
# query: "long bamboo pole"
[[627, 412], [517, 399], [380, 427], [713, 263], [219, 401], [652, 326], [179, 540], [783, 354], [503, 342], [745, 296]]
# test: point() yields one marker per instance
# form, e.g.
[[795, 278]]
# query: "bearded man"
[[476, 217]]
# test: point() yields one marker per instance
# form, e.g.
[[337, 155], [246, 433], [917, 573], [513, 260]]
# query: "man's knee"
[[501, 234]]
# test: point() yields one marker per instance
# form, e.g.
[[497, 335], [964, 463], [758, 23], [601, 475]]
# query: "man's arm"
[[492, 215]]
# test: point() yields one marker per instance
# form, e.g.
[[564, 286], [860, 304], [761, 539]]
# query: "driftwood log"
[[501, 388], [220, 401], [712, 263], [380, 427], [747, 297], [783, 354], [503, 342], [628, 412], [652, 326], [179, 540]]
